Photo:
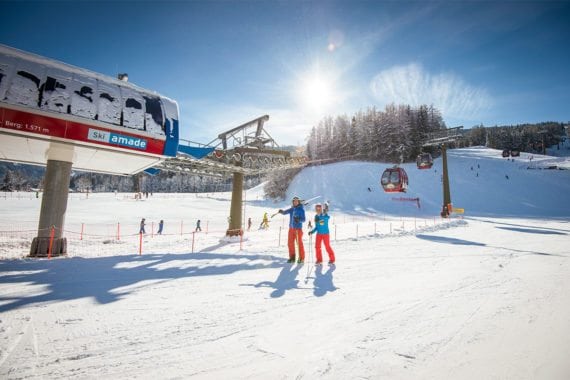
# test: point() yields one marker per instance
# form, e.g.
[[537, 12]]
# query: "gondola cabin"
[[394, 180], [424, 161], [106, 124], [506, 153], [515, 152]]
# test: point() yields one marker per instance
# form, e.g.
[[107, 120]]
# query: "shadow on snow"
[[100, 278], [532, 230], [287, 280], [324, 281], [448, 240]]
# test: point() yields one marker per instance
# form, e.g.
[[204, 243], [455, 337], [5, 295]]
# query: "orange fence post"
[[193, 235], [140, 243], [51, 235], [206, 227], [118, 231], [81, 238]]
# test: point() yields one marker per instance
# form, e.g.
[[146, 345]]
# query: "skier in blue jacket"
[[323, 235], [296, 220]]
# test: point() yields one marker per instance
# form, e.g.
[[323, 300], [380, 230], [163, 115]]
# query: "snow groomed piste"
[[484, 298]]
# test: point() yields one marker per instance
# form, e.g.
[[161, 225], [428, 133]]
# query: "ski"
[[303, 202], [306, 202]]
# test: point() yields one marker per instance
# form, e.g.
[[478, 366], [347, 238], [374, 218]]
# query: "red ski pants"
[[296, 235], [325, 238]]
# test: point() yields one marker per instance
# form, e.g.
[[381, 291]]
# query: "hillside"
[[478, 181]]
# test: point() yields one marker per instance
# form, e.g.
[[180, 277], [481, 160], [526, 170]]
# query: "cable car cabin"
[[515, 152], [424, 161], [109, 125], [506, 153], [394, 180]]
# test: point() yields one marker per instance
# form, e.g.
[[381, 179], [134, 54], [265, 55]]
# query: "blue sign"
[[128, 141], [117, 139]]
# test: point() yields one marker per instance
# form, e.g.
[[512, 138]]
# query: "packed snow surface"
[[410, 297]]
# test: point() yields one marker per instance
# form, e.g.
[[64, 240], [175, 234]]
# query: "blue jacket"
[[297, 213], [321, 224]]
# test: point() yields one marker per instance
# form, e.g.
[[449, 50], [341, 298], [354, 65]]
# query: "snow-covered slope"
[[481, 298], [481, 181]]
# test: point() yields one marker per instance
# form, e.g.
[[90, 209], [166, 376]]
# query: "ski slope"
[[478, 182], [483, 297]]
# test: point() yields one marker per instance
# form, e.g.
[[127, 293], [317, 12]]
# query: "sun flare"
[[317, 93]]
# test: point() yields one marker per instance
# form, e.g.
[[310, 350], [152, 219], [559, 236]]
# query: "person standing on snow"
[[142, 231], [198, 228], [264, 222], [322, 230], [160, 226], [296, 220]]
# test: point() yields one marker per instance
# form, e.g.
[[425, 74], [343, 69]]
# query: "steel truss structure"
[[441, 138], [444, 136], [247, 149]]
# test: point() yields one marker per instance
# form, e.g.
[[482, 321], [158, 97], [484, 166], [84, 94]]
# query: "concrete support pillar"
[[235, 227], [54, 202]]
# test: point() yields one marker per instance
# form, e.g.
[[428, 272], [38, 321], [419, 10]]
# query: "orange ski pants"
[[296, 235], [325, 238]]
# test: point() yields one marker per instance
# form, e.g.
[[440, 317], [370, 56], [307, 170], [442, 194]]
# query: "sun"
[[316, 92]]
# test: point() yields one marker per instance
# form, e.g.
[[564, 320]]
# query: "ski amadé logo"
[[117, 139]]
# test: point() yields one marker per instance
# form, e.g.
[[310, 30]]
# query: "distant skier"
[[296, 220], [248, 224], [198, 228], [323, 235], [142, 231], [160, 226], [264, 222]]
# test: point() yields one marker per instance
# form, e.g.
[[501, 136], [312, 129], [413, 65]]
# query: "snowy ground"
[[485, 297]]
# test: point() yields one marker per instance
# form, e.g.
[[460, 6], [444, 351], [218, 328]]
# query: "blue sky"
[[227, 62]]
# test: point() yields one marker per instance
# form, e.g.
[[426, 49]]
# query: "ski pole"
[[310, 261]]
